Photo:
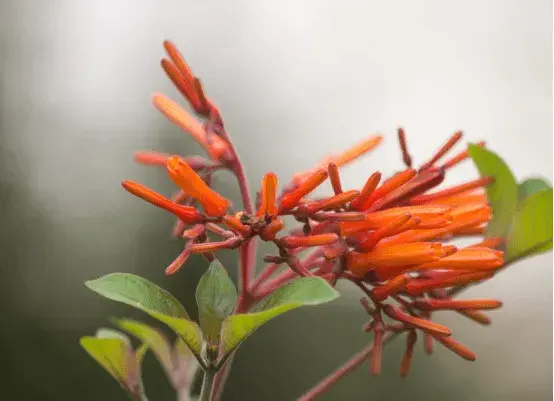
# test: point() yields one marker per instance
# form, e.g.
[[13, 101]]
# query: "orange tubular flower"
[[269, 190], [368, 241], [187, 214], [390, 287], [310, 240], [268, 232], [190, 182], [388, 186], [367, 191], [407, 358], [459, 157], [234, 223], [433, 328], [476, 196], [332, 202], [445, 193], [474, 259], [291, 199], [375, 220], [343, 158], [182, 77], [415, 253], [214, 145]]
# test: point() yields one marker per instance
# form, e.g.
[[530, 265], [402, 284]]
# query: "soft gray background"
[[295, 80]]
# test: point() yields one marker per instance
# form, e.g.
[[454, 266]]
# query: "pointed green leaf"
[[532, 229], [304, 291], [137, 292], [502, 193], [531, 186], [216, 297], [110, 333], [150, 337], [148, 297], [113, 354]]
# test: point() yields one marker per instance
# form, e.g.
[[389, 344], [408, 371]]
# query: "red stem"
[[348, 367]]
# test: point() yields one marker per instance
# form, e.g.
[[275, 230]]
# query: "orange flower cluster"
[[392, 237]]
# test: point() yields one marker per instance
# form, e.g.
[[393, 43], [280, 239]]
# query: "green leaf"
[[304, 291], [502, 193], [148, 297], [532, 229], [150, 337], [216, 297], [531, 186], [110, 333], [113, 354], [137, 292]]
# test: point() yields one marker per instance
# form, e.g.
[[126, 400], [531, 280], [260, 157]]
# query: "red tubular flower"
[[459, 157], [214, 145], [447, 279], [176, 265], [443, 150], [291, 199], [426, 325], [457, 304], [268, 194], [408, 354], [190, 182], [187, 214], [406, 158], [457, 348], [334, 178]]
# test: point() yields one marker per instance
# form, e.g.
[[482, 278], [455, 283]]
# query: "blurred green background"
[[295, 80]]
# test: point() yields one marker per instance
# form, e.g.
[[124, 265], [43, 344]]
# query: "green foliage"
[[150, 337], [304, 291], [531, 186], [216, 297], [502, 194], [148, 297], [532, 229], [113, 352]]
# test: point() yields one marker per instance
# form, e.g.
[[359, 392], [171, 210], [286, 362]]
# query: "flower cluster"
[[392, 238]]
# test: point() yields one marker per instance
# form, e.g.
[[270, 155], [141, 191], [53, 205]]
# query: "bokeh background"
[[295, 80]]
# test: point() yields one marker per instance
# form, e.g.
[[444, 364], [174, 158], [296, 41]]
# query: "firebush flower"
[[393, 238]]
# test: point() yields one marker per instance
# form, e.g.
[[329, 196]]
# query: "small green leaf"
[[531, 186], [148, 297], [502, 193], [150, 337], [304, 291], [137, 292], [216, 297], [110, 333], [113, 354], [532, 229]]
